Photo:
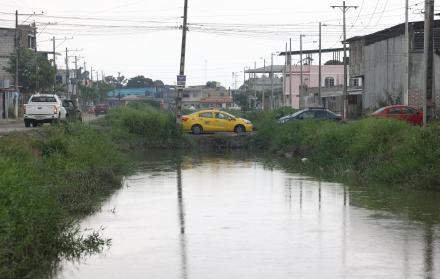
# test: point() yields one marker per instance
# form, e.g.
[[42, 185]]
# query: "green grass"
[[140, 126], [49, 180], [369, 150]]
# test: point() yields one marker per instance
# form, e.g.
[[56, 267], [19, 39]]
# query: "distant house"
[[379, 60], [332, 81], [8, 97], [7, 48], [199, 97]]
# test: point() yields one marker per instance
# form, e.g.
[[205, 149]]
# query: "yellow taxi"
[[215, 121]]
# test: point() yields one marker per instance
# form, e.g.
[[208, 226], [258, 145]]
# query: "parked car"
[[43, 108], [215, 121], [90, 109], [73, 113], [311, 114], [400, 112], [101, 109]]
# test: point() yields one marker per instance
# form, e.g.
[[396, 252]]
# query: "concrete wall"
[[417, 79], [383, 66], [6, 48], [383, 69]]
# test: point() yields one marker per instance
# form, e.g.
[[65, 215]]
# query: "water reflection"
[[182, 220], [429, 251], [241, 219]]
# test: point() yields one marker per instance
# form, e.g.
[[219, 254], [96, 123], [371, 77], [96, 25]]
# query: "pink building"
[[332, 76]]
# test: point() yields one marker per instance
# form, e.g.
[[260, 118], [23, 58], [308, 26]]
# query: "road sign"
[[181, 81]]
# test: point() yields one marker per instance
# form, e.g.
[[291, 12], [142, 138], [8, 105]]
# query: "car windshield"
[[43, 99], [297, 113], [379, 110]]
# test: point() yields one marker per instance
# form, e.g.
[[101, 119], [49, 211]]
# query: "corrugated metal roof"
[[391, 32]]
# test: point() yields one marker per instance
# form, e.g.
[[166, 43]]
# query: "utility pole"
[[36, 58], [17, 50], [320, 65], [428, 63], [290, 74], [67, 71], [344, 9], [272, 103], [244, 78], [264, 84], [301, 82], [54, 64], [284, 80], [76, 76], [182, 65], [407, 56]]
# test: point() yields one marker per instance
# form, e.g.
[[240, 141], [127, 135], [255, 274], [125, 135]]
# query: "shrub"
[[143, 126], [377, 150]]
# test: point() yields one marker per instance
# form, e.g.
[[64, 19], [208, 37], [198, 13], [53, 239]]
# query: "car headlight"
[[247, 121]]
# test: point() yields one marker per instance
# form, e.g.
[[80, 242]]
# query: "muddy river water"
[[227, 218]]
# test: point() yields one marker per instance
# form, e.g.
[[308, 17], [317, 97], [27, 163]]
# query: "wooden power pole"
[[428, 63], [344, 9], [182, 65], [17, 50]]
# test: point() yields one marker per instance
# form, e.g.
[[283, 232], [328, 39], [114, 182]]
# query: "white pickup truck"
[[43, 108]]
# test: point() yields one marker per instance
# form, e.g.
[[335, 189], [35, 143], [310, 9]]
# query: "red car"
[[401, 112], [101, 109]]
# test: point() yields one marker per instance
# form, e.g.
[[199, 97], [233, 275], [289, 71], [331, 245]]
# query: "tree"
[[34, 71], [140, 81], [212, 84], [159, 84]]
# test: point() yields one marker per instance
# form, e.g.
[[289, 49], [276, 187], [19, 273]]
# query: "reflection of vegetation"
[[420, 206], [48, 181], [371, 150]]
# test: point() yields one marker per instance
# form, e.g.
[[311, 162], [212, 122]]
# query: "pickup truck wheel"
[[27, 123]]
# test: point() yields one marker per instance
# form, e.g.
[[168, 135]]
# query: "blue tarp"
[[123, 92]]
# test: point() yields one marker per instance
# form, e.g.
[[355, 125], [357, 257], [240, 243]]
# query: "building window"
[[329, 82], [419, 40], [31, 42], [352, 99], [355, 82]]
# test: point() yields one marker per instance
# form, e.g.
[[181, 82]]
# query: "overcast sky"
[[142, 37]]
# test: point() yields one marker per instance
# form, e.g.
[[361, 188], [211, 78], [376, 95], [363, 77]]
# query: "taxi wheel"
[[239, 129], [197, 129]]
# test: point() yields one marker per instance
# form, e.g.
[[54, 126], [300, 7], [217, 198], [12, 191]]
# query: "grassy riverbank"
[[49, 179], [139, 126], [369, 150]]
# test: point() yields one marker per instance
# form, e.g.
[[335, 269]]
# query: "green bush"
[[376, 150], [48, 181], [142, 126]]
